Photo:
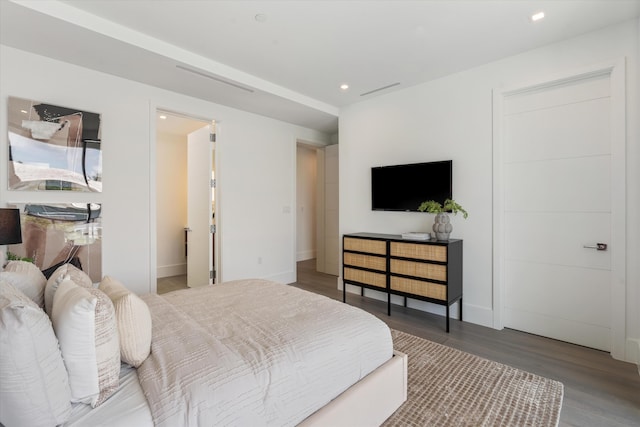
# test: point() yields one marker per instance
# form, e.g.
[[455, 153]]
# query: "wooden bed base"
[[370, 401]]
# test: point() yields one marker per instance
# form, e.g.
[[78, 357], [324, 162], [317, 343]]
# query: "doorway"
[[559, 197], [317, 232], [185, 201]]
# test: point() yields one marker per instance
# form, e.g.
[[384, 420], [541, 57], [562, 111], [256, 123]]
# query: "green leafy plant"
[[431, 206], [13, 257]]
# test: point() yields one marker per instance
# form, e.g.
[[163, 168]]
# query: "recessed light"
[[260, 17], [344, 86], [537, 16], [163, 117]]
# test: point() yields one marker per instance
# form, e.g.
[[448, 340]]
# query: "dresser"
[[426, 270]]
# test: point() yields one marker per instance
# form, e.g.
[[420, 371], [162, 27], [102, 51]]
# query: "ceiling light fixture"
[[163, 117], [260, 17], [213, 77], [344, 86], [537, 16]]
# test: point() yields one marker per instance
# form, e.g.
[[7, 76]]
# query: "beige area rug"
[[448, 387]]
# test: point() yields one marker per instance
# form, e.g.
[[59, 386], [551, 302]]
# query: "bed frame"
[[370, 401]]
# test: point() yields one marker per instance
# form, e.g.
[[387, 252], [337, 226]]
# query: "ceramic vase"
[[442, 226]]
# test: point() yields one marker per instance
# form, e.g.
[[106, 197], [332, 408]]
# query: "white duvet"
[[253, 353]]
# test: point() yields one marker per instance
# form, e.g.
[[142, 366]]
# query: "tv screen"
[[405, 187]]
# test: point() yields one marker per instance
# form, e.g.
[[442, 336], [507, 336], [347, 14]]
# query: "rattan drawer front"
[[365, 245], [419, 269], [367, 277], [416, 287], [417, 251], [365, 261]]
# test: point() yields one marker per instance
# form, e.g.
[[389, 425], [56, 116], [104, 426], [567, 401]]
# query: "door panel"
[[199, 210], [579, 184], [549, 288], [549, 134], [550, 238], [557, 199], [567, 93]]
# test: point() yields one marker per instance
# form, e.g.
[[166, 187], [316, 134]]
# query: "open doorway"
[[185, 207], [317, 233]]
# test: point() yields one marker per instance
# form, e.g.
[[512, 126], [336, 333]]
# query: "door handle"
[[598, 247]]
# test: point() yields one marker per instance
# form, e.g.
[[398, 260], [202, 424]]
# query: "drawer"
[[417, 287], [367, 277], [365, 245], [417, 251], [419, 269], [365, 261]]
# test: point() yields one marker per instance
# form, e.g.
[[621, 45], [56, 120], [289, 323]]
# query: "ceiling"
[[287, 59]]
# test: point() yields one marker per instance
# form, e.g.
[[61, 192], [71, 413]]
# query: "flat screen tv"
[[405, 187]]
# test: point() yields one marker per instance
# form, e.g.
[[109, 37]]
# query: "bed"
[[254, 352]]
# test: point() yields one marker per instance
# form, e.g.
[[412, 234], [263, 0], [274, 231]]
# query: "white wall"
[[306, 171], [256, 169], [451, 118], [171, 202]]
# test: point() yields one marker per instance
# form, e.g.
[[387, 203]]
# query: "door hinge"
[[210, 274], [213, 183], [213, 228], [212, 137]]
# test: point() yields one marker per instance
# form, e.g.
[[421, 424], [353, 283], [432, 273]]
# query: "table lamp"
[[10, 231]]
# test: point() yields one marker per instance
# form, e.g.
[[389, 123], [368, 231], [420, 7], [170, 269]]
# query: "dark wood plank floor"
[[599, 391]]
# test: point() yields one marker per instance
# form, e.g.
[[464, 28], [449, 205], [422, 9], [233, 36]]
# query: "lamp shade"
[[10, 232]]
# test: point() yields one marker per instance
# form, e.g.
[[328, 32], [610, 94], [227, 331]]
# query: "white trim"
[[153, 201], [616, 71], [618, 210], [154, 109]]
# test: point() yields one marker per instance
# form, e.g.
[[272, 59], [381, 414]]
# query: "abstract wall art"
[[58, 233], [53, 147]]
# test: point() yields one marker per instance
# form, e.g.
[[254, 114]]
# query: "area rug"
[[448, 387]]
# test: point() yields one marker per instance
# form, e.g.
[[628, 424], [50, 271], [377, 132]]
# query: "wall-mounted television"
[[405, 187]]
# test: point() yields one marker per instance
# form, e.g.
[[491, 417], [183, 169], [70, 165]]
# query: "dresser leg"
[[447, 318]]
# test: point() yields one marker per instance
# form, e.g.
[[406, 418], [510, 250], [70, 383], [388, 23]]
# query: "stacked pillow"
[[72, 355], [34, 387], [27, 278], [133, 319], [78, 276], [84, 322]]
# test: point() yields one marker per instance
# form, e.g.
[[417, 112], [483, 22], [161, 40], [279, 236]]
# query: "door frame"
[[154, 110], [616, 71]]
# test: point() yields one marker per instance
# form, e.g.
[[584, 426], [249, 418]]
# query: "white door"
[[199, 208], [556, 209]]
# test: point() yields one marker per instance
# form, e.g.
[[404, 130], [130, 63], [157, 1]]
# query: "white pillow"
[[31, 283], [84, 321], [133, 319], [78, 276], [34, 388]]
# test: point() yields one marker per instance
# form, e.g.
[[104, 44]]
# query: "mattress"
[[127, 407], [254, 352]]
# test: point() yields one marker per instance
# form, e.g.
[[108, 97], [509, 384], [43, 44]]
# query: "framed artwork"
[[53, 147], [57, 233]]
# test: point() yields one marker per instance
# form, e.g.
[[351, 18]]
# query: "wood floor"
[[598, 390]]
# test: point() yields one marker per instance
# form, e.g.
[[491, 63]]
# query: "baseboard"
[[305, 255], [284, 277], [471, 313], [171, 270], [633, 352]]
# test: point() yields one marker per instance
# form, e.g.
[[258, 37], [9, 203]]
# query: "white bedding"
[[127, 407], [254, 352]]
